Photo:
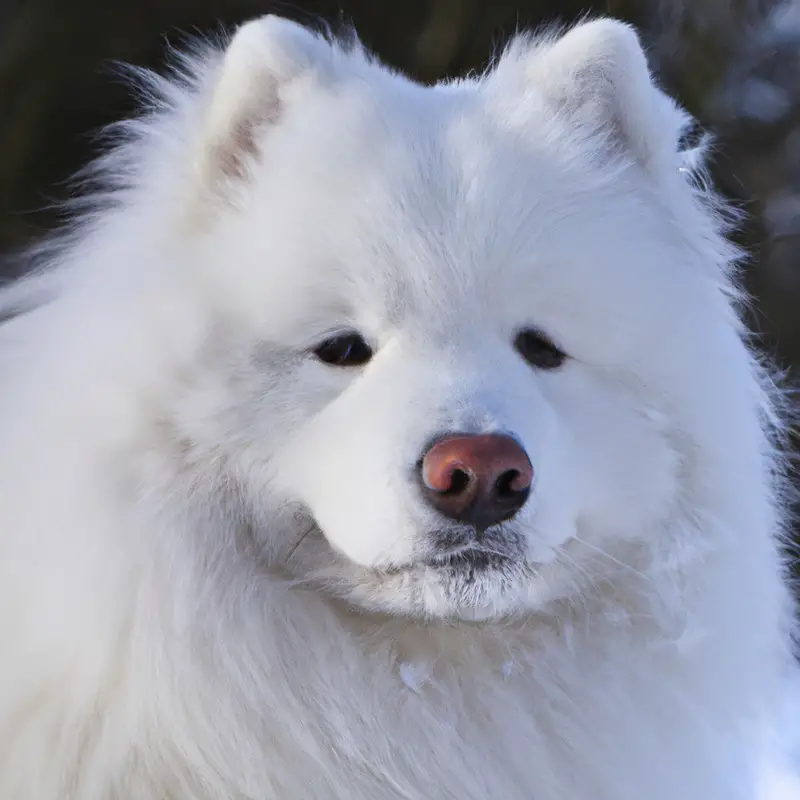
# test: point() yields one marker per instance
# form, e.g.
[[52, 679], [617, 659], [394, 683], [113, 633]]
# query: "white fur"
[[213, 578]]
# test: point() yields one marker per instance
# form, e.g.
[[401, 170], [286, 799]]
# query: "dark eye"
[[538, 350], [344, 350]]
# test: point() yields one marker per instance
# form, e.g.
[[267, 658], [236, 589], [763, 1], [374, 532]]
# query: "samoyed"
[[372, 441]]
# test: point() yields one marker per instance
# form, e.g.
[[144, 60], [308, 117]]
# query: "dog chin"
[[472, 585]]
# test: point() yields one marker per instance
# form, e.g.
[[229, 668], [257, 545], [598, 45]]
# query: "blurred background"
[[734, 64]]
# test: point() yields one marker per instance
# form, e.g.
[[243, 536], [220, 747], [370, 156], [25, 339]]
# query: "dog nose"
[[479, 480]]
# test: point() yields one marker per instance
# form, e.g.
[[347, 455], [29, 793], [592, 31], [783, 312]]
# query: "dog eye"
[[345, 350], [538, 350]]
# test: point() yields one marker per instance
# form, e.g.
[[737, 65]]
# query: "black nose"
[[478, 480]]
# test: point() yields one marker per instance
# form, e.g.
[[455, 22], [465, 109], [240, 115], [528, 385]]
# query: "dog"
[[365, 441]]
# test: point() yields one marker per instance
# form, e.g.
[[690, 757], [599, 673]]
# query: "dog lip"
[[473, 557]]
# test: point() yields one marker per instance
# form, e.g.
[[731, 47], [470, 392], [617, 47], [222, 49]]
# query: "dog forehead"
[[481, 243], [426, 206]]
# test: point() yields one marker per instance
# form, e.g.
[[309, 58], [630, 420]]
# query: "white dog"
[[370, 441]]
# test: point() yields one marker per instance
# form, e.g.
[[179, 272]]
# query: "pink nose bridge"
[[481, 479], [487, 457]]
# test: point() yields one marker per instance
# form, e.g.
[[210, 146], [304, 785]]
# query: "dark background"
[[735, 64]]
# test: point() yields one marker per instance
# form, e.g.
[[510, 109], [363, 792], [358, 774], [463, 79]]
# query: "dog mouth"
[[457, 557], [469, 579], [471, 559]]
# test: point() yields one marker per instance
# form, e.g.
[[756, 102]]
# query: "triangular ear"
[[264, 57], [596, 75]]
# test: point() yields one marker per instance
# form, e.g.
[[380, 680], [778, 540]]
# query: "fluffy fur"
[[218, 577]]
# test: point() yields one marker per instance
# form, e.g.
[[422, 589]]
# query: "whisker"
[[300, 541], [561, 553], [488, 551], [611, 558]]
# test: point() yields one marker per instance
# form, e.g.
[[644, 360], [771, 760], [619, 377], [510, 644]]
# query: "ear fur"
[[596, 75], [264, 57]]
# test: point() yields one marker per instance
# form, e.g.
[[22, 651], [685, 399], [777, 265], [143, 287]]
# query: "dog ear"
[[264, 58], [597, 76]]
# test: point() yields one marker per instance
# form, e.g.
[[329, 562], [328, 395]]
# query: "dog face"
[[473, 337]]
